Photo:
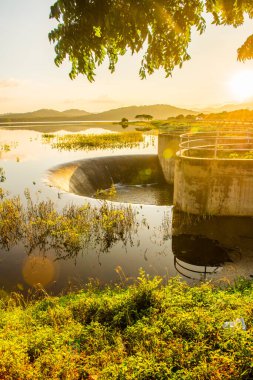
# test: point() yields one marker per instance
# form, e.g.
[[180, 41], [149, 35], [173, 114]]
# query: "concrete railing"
[[214, 173], [215, 144]]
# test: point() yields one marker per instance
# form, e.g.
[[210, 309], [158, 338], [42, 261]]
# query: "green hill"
[[43, 115], [74, 113], [158, 111]]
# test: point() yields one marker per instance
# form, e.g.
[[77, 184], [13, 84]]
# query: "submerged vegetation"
[[2, 175], [105, 193], [40, 225], [141, 331], [6, 148], [90, 142]]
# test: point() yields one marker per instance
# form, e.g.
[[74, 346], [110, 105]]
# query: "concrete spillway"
[[85, 177], [212, 172], [214, 187], [168, 145], [208, 178]]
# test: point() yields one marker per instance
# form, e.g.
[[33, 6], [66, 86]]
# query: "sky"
[[29, 79]]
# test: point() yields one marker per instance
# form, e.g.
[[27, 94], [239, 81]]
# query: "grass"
[[246, 155], [106, 193], [90, 142], [75, 228], [141, 331]]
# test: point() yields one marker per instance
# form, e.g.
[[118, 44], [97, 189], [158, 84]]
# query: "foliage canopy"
[[88, 31], [144, 116]]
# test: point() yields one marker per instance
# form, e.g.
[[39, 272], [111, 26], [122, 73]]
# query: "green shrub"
[[143, 331]]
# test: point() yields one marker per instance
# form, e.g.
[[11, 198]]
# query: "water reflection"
[[38, 270], [208, 245], [196, 256], [150, 194], [222, 246]]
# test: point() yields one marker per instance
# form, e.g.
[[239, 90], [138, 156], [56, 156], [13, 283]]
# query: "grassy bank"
[[142, 331]]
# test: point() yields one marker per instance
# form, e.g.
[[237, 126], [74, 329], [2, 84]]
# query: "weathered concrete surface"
[[230, 232], [85, 177], [168, 145], [189, 249], [214, 187]]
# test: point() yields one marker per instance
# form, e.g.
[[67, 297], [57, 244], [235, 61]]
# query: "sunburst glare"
[[242, 85]]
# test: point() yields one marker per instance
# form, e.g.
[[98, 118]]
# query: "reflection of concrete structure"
[[228, 231], [197, 256], [210, 175], [201, 244]]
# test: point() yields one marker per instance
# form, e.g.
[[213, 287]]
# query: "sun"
[[241, 85]]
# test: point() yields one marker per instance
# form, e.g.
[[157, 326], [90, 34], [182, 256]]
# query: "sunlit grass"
[[245, 155], [141, 331]]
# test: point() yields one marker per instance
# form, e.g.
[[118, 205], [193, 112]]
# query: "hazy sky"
[[30, 80]]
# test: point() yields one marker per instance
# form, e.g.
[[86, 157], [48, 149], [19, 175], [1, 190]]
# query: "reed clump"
[[73, 229], [91, 142]]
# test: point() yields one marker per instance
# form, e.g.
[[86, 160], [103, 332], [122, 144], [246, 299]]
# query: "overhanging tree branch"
[[88, 31]]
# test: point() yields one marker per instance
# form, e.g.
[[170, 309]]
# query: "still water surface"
[[165, 244]]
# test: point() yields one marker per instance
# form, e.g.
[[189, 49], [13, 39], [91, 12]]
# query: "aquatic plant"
[[106, 193], [2, 175], [11, 220], [102, 141], [74, 229], [7, 147], [145, 330], [47, 137], [144, 129]]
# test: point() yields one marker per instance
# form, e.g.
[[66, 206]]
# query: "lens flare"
[[167, 153], [38, 270]]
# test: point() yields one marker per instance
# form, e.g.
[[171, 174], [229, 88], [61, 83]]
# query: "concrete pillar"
[[205, 186], [168, 145]]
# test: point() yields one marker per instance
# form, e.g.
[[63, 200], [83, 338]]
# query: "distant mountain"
[[75, 112], [40, 113], [158, 111], [227, 107], [44, 114]]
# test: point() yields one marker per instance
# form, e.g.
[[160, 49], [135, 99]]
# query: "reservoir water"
[[165, 243]]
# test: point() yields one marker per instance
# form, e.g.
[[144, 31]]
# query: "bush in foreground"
[[144, 331]]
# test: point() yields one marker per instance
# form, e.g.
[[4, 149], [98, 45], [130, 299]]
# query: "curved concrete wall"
[[85, 177], [168, 145], [214, 187]]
